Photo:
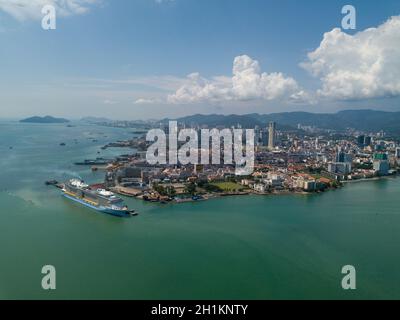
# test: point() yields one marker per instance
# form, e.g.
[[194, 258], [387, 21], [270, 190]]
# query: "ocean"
[[249, 247]]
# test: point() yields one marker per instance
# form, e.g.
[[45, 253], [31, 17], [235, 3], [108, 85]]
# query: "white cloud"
[[31, 9], [110, 102], [159, 83], [359, 66], [147, 101], [246, 83]]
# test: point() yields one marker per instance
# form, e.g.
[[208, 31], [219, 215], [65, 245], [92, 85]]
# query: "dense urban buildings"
[[302, 160]]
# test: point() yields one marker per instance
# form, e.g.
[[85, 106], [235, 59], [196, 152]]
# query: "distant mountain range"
[[46, 119], [365, 120]]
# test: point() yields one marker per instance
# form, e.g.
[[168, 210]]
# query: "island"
[[46, 119]]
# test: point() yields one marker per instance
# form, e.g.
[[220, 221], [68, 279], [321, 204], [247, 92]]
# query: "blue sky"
[[130, 58]]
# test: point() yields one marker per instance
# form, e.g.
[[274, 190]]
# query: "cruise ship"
[[98, 199]]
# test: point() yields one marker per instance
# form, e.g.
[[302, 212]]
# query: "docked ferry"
[[98, 199]]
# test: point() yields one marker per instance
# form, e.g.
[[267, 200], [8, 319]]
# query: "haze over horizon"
[[207, 116], [152, 59]]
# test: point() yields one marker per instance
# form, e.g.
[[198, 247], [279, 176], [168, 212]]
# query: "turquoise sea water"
[[271, 247]]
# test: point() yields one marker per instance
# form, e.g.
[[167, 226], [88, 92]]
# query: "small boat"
[[51, 183], [97, 161], [198, 198]]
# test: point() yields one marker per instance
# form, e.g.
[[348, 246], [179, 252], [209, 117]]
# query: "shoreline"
[[250, 192], [371, 179]]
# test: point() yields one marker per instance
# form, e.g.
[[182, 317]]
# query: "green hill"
[[46, 119], [365, 120]]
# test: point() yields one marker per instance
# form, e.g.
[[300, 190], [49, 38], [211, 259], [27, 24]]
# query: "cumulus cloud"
[[246, 83], [359, 66], [31, 9]]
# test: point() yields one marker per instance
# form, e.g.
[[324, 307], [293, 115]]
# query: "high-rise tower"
[[271, 135]]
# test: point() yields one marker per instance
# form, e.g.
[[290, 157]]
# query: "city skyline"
[[199, 152], [152, 59]]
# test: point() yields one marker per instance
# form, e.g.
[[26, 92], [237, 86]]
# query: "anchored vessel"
[[98, 199], [97, 161]]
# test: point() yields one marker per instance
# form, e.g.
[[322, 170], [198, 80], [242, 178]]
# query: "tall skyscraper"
[[339, 167], [340, 155], [271, 136], [264, 137], [361, 141], [367, 141], [381, 163], [257, 135]]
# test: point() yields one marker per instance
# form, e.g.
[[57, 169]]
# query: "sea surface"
[[254, 247]]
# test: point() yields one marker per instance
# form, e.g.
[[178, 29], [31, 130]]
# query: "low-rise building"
[[260, 187]]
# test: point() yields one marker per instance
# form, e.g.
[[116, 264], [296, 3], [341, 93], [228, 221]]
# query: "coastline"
[[394, 176], [292, 229], [209, 196]]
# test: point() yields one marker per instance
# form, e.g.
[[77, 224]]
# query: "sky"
[[150, 59]]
